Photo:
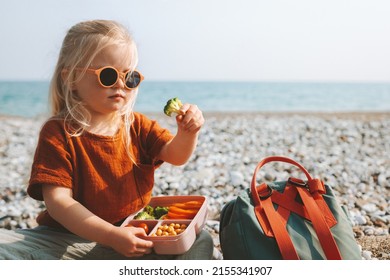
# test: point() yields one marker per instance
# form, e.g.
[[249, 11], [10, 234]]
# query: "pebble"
[[351, 154], [369, 207], [367, 255]]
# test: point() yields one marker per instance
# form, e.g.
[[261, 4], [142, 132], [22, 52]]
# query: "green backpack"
[[292, 219]]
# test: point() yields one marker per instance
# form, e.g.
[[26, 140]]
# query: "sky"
[[212, 40]]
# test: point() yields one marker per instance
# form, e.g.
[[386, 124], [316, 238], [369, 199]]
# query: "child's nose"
[[120, 82]]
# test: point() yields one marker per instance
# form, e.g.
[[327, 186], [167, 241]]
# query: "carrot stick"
[[174, 209], [171, 215], [189, 204]]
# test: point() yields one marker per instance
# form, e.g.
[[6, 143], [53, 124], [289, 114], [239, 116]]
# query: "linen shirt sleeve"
[[52, 161], [152, 138]]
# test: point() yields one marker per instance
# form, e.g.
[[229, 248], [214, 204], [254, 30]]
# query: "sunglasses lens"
[[133, 79], [108, 77]]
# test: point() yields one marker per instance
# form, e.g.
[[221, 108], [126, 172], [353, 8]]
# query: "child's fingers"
[[191, 112], [143, 247], [192, 120], [184, 108], [183, 111], [139, 252], [137, 231], [193, 127]]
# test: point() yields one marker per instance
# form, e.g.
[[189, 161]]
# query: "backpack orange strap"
[[286, 201], [320, 226], [278, 227], [314, 208], [317, 189]]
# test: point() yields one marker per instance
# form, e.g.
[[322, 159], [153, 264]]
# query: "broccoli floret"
[[149, 209], [173, 106], [160, 211], [143, 215], [146, 214], [150, 213]]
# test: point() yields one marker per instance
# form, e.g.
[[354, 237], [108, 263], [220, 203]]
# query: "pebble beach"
[[348, 151]]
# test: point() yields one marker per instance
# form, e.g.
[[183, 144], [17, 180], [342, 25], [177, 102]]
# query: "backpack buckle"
[[268, 194], [297, 182]]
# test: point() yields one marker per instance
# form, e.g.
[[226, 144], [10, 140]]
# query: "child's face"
[[102, 101]]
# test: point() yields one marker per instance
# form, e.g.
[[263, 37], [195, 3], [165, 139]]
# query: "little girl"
[[95, 159]]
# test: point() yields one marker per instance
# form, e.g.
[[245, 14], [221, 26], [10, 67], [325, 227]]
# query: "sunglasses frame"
[[120, 75]]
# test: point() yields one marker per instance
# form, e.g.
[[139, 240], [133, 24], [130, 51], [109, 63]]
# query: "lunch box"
[[178, 244]]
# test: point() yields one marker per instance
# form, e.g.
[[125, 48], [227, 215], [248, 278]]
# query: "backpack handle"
[[266, 214], [266, 160]]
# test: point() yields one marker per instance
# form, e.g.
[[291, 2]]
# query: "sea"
[[30, 98]]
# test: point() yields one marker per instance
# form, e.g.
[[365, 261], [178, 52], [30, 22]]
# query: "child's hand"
[[125, 241], [180, 148], [191, 120]]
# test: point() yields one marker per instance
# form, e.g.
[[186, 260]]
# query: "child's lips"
[[117, 96]]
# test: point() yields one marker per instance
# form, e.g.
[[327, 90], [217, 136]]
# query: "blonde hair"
[[81, 44]]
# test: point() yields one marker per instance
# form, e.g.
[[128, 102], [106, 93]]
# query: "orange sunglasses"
[[108, 76]]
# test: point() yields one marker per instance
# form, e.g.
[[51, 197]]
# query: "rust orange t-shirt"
[[97, 168]]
